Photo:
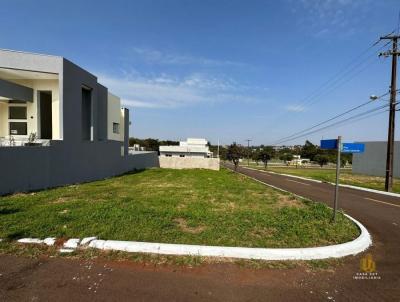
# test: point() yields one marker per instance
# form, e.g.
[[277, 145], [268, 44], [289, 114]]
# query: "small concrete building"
[[373, 160], [189, 154], [59, 125], [298, 161], [192, 147]]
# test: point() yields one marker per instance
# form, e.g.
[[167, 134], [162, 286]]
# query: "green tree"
[[265, 156], [235, 153], [286, 157], [321, 159], [151, 144], [255, 155], [309, 150]]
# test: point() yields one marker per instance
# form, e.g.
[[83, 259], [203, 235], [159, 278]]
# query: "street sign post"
[[335, 202], [336, 144]]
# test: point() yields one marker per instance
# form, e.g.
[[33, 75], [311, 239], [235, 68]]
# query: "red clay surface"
[[58, 279]]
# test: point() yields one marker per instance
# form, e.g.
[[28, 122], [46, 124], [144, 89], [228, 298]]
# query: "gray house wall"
[[71, 160], [373, 160]]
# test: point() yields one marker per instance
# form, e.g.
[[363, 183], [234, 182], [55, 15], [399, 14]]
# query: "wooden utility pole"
[[392, 112]]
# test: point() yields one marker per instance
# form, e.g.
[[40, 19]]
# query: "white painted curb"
[[333, 251], [327, 182]]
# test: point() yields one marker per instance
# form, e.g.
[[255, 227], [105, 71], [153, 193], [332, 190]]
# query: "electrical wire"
[[339, 78], [334, 117], [334, 124], [327, 121]]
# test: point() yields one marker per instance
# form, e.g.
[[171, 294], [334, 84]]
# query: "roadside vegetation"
[[328, 175], [174, 206]]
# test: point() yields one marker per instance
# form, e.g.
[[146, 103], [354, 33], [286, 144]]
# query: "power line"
[[324, 122], [349, 74], [333, 118], [335, 124], [338, 78]]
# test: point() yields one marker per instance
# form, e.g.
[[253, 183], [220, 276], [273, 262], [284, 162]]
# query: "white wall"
[[114, 115], [189, 163]]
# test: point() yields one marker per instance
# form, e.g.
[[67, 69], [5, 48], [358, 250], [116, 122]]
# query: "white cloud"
[[295, 108], [169, 92], [327, 16], [159, 57]]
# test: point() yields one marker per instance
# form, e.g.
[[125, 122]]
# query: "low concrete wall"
[[189, 163], [34, 168], [373, 160]]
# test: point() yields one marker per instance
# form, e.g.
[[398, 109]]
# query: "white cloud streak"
[[328, 16], [153, 56], [295, 108], [169, 92]]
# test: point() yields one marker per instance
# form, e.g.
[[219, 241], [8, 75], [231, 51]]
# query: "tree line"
[[151, 144], [264, 154], [261, 153]]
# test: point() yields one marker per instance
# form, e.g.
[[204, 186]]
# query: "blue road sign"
[[329, 144], [353, 148]]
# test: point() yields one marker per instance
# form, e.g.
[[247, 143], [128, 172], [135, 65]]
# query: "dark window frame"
[[116, 128], [12, 108], [24, 131]]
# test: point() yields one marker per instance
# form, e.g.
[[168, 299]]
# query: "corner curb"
[[356, 246]]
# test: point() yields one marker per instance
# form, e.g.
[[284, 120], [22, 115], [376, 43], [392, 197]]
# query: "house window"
[[17, 113], [18, 128], [116, 128], [182, 155], [17, 119], [168, 155]]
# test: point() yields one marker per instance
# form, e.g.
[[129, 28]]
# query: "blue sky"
[[227, 70]]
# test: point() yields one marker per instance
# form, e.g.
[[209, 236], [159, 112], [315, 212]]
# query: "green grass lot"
[[174, 206], [329, 175]]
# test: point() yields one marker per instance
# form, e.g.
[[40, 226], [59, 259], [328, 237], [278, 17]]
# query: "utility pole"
[[392, 112], [248, 152]]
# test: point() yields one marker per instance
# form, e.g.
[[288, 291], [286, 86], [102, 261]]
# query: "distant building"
[[373, 160], [193, 153], [192, 147], [298, 161]]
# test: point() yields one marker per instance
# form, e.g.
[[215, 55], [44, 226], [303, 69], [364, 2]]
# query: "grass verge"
[[329, 175], [174, 206]]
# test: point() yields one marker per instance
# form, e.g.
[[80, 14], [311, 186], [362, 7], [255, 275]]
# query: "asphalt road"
[[59, 279], [379, 213]]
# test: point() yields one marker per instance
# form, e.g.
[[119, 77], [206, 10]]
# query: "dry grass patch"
[[288, 201], [182, 224], [61, 200]]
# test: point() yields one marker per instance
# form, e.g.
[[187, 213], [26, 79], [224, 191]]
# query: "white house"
[[190, 154], [298, 161], [192, 147], [59, 125]]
